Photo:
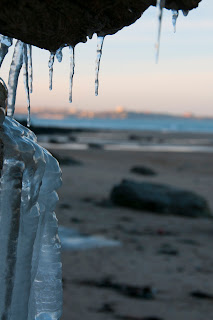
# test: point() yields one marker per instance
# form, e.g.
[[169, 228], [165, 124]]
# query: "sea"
[[143, 122]]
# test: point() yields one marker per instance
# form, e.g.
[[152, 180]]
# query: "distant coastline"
[[118, 113], [119, 121]]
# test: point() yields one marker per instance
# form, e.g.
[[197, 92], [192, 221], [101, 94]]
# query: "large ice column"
[[30, 268]]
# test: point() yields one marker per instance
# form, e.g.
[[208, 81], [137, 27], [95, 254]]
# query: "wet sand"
[[171, 277]]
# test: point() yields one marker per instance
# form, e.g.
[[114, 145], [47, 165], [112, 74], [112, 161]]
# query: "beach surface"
[[163, 267]]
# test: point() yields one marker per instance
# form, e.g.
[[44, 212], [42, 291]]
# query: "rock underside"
[[50, 24]]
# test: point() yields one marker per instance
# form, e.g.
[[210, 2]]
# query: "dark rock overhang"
[[50, 24]]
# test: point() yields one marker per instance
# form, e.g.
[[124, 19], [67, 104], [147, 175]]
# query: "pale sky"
[[182, 81]]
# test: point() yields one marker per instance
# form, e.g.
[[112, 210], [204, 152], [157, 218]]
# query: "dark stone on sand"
[[96, 146], [64, 282], [190, 242], [53, 140], [107, 308], [201, 295], [159, 198], [75, 220], [157, 232], [104, 203], [144, 139], [65, 206], [133, 291], [143, 170], [134, 137], [72, 138], [88, 199], [168, 250], [126, 219], [66, 161], [138, 318]]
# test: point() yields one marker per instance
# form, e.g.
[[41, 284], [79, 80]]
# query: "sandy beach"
[[103, 283]]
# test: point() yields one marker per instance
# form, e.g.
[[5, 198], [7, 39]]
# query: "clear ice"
[[22, 55], [30, 268], [50, 65], [30, 67], [185, 12], [160, 5], [59, 54], [5, 43], [100, 42], [72, 70], [175, 15], [15, 68], [26, 80]]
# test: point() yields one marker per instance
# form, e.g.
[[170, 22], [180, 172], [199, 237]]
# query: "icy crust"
[[30, 268]]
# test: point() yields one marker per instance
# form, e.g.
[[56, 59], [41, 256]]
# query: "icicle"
[[59, 54], [15, 68], [50, 65], [175, 14], [26, 81], [72, 69], [30, 268], [97, 63], [160, 5], [5, 43], [30, 66], [185, 12]]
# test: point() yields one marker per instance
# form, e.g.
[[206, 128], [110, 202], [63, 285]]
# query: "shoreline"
[[137, 262], [119, 140], [170, 254], [131, 147]]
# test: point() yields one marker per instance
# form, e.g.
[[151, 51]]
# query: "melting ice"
[[22, 56], [59, 55], [175, 14], [50, 65], [72, 70], [160, 5], [30, 67], [26, 80], [5, 43], [30, 268], [15, 68], [185, 12], [97, 63]]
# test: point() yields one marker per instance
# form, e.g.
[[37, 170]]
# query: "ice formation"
[[160, 5], [175, 15], [14, 72], [59, 54], [22, 56], [26, 80], [30, 269], [30, 67], [72, 70], [5, 43], [100, 43], [50, 65], [185, 12]]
